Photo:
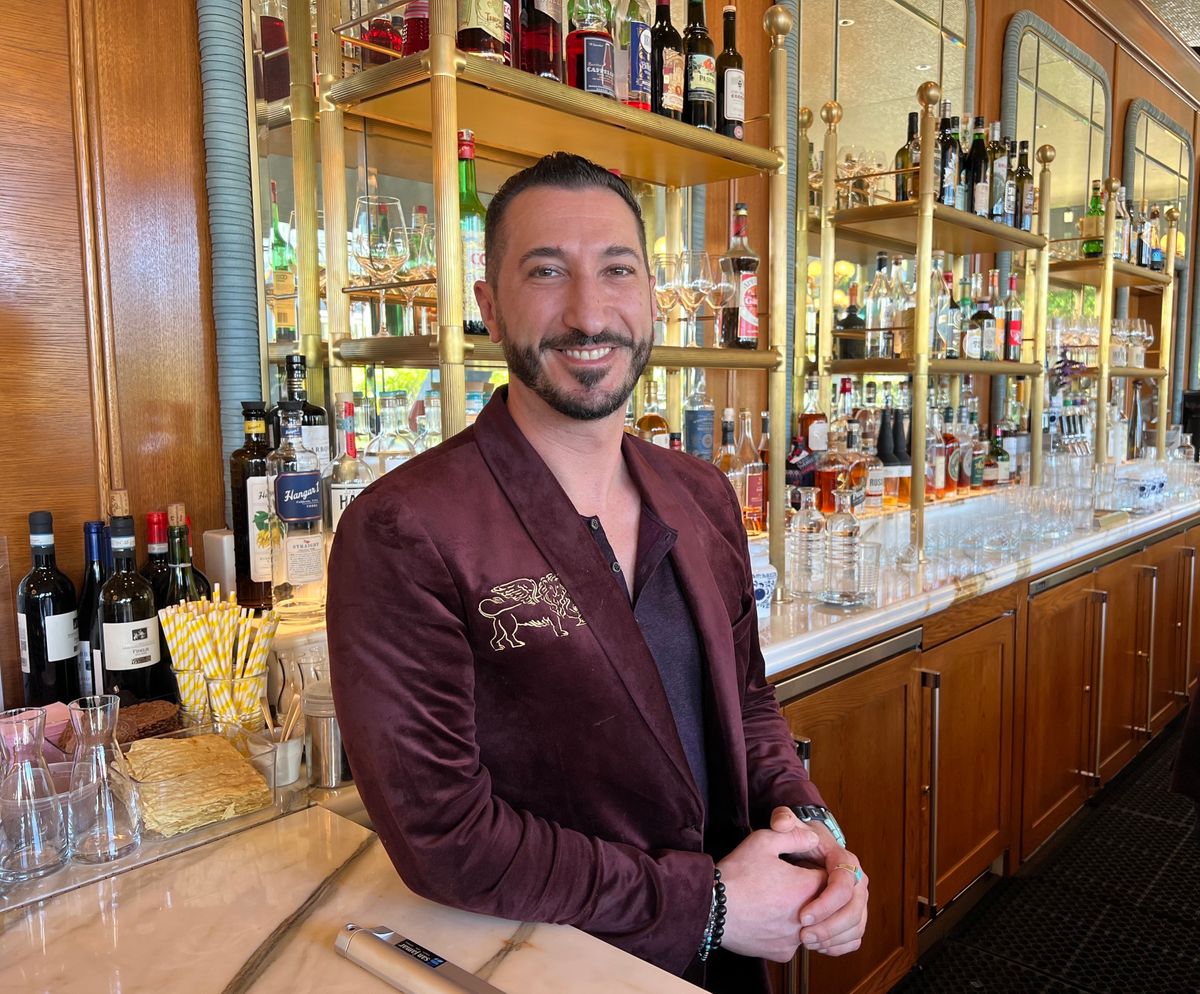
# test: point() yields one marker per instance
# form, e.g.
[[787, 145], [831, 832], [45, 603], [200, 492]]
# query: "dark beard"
[[525, 363]]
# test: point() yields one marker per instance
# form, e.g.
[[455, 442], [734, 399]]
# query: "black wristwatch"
[[815, 812]]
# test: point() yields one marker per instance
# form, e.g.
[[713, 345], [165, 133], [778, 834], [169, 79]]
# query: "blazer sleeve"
[[775, 775], [403, 678]]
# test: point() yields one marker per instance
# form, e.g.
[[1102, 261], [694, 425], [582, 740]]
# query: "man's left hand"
[[834, 921]]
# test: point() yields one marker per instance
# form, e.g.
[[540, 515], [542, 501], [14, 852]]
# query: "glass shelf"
[[1090, 272], [1130, 372], [902, 367], [894, 227]]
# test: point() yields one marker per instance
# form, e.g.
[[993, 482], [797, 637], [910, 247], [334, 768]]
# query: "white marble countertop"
[[803, 630], [259, 912]]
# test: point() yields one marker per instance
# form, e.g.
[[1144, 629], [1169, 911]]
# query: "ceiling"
[[1182, 15]]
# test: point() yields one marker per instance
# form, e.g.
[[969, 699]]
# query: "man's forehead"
[[546, 208]]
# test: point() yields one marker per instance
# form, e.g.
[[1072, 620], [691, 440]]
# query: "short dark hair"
[[566, 171]]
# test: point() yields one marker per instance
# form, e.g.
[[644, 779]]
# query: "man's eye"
[[544, 271], [623, 271]]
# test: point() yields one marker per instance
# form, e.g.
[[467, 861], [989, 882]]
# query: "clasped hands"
[[774, 906]]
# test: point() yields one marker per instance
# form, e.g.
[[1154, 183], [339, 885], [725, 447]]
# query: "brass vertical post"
[[1111, 185], [1037, 401], [831, 114], [778, 24], [1165, 334], [800, 280], [673, 228], [444, 68]]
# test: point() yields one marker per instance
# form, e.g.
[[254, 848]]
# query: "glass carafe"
[[104, 814], [33, 839], [806, 546], [841, 586]]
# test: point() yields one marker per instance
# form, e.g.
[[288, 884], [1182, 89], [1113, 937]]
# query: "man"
[[544, 645]]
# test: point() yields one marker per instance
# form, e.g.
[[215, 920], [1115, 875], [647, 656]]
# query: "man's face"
[[572, 305]]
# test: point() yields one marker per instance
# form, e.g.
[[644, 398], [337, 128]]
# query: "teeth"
[[588, 353]]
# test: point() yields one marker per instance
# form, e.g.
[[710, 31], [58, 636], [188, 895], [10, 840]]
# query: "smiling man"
[[544, 644]]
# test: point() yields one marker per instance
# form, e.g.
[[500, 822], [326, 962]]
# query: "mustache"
[[578, 340]]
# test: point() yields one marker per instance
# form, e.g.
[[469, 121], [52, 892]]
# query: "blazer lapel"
[[537, 499]]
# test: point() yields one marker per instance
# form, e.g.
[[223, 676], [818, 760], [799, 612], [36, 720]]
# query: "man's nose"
[[584, 308]]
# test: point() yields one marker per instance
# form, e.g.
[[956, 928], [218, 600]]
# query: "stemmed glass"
[[666, 285], [721, 294], [379, 243], [695, 280], [418, 270]]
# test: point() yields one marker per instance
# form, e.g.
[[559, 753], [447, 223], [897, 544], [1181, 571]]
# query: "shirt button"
[[616, 567], [595, 523]]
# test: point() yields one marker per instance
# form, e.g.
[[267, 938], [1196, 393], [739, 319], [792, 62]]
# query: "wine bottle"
[[47, 621], [131, 662], [155, 568], [1024, 189], [95, 572], [739, 322], [471, 215], [906, 183], [731, 81], [852, 346], [251, 510], [978, 174], [998, 174], [1158, 251], [481, 28], [540, 38], [700, 71], [635, 56], [666, 65], [1091, 227], [314, 419], [949, 153], [181, 582], [1014, 328], [591, 65], [202, 582]]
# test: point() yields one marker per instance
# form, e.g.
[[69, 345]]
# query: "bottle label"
[[298, 497], [702, 79], [754, 491], [818, 436], [639, 63], [987, 339], [747, 305], [1091, 226], [698, 428], [982, 202], [23, 641], [340, 497], [258, 527], [87, 685], [1002, 470], [255, 426], [1027, 208], [954, 466], [473, 264], [131, 645], [551, 8], [1010, 197], [672, 81], [991, 474], [304, 558], [599, 73], [875, 478], [316, 437], [939, 472], [1000, 185], [977, 463], [284, 311], [62, 636], [735, 98], [485, 15], [1015, 332]]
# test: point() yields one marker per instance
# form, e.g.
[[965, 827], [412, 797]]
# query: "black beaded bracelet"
[[714, 931]]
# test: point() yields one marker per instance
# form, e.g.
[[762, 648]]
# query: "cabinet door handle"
[[1098, 597], [1149, 653], [1189, 553], [803, 750], [933, 680]]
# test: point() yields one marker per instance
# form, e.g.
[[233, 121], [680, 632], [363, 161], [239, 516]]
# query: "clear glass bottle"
[[395, 444], [699, 416], [842, 565], [33, 837], [877, 311], [904, 310], [876, 477], [935, 458], [298, 532], [726, 459], [754, 504], [431, 433], [104, 823], [347, 476], [939, 308], [856, 466], [970, 335], [652, 426], [806, 546]]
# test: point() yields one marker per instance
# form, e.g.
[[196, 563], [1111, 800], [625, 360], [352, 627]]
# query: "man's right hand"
[[764, 894]]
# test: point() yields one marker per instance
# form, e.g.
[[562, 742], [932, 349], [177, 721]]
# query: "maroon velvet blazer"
[[506, 724]]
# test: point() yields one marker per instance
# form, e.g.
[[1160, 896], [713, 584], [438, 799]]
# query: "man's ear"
[[484, 296]]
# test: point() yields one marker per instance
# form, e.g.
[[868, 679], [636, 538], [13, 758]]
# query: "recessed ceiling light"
[[1040, 127], [924, 67], [845, 22]]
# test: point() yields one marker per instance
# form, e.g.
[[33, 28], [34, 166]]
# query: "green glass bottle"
[[471, 214], [1091, 228]]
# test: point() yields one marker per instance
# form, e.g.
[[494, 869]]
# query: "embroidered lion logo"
[[527, 603]]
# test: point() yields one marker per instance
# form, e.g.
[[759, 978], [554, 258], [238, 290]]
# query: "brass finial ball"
[[1112, 185], [929, 94], [806, 118], [778, 21], [831, 113], [1046, 154], [1172, 215]]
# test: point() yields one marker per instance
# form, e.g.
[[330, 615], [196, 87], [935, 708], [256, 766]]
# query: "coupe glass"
[[33, 840], [379, 243], [104, 815], [695, 280]]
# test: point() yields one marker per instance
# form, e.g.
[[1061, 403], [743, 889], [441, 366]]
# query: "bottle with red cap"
[[155, 568], [471, 214]]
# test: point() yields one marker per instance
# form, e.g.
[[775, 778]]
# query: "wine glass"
[[695, 280], [666, 284], [721, 294], [417, 272], [379, 243]]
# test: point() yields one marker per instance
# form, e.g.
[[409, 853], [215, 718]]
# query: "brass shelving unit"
[[916, 228]]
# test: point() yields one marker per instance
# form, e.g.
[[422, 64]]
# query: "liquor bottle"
[[1010, 182], [962, 194], [731, 81], [1157, 248], [764, 457], [700, 71], [726, 459], [852, 346], [155, 568], [432, 435], [281, 252], [416, 26], [95, 572], [979, 450], [876, 479], [591, 63], [131, 662], [877, 311], [739, 322], [298, 541], [996, 462], [970, 333], [1024, 189], [1122, 229], [949, 153], [1091, 226], [47, 622], [935, 458], [202, 583], [666, 65], [954, 454], [699, 417], [283, 278], [886, 452], [997, 174], [633, 58], [381, 33], [904, 310], [841, 553], [652, 426], [906, 182], [754, 504], [272, 32], [471, 214], [806, 538], [251, 510], [512, 32], [314, 420], [676, 442], [814, 426], [540, 38], [481, 29], [181, 582], [1014, 328], [978, 177], [903, 459], [1143, 236], [395, 444], [832, 472], [985, 315], [347, 476], [856, 465]]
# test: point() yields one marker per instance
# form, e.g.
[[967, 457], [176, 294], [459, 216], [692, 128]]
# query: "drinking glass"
[[666, 285], [379, 243], [721, 294], [33, 840], [869, 554], [104, 819], [695, 280], [417, 272], [235, 701]]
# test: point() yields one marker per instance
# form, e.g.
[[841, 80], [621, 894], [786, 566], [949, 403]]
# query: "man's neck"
[[584, 456]]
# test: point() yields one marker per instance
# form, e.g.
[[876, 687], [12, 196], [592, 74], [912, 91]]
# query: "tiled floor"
[[1114, 908]]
